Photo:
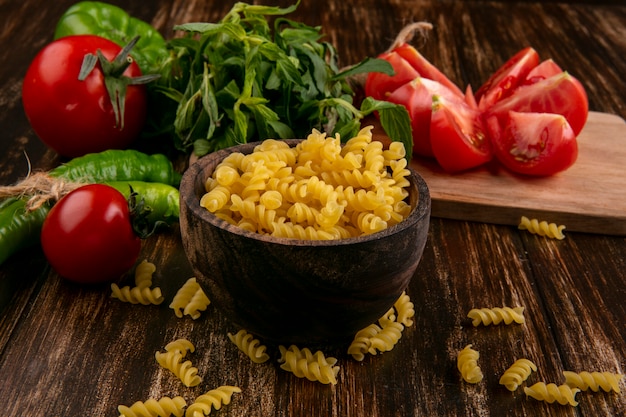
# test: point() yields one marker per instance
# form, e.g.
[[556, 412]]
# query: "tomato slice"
[[545, 69], [424, 68], [561, 94], [457, 136], [379, 85], [538, 144], [506, 78]]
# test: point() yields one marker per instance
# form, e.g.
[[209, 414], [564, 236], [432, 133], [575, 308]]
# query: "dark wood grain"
[[68, 350]]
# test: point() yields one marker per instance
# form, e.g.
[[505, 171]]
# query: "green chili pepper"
[[113, 23], [152, 177], [161, 200], [19, 228], [119, 165]]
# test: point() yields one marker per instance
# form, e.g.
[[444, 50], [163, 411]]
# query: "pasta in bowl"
[[313, 261]]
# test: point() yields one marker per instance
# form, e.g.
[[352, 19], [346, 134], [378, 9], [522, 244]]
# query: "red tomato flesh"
[[87, 236], [560, 94], [380, 86], [458, 136], [538, 144], [504, 81]]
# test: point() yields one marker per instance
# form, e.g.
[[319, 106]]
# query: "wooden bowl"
[[306, 292]]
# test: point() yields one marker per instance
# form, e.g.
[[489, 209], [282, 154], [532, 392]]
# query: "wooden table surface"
[[69, 350]]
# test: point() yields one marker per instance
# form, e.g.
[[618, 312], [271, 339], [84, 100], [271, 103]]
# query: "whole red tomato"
[[74, 116], [88, 237]]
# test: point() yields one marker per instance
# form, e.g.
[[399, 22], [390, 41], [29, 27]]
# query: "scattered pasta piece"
[[190, 300], [315, 190], [543, 228], [164, 407], [607, 381], [517, 373], [305, 364], [213, 399], [384, 335], [563, 394], [141, 293], [496, 315], [172, 360], [250, 346], [467, 364]]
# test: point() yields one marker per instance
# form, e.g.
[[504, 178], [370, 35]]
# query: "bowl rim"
[[190, 199]]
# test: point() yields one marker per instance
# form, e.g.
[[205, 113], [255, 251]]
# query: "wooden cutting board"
[[588, 197]]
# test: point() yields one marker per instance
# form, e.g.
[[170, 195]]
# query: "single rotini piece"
[[496, 315], [163, 407], [305, 364], [249, 345], [517, 373], [387, 338], [405, 309], [213, 399], [143, 274], [607, 381], [362, 341], [190, 300], [563, 394], [467, 364], [181, 345], [137, 295], [173, 361], [542, 228]]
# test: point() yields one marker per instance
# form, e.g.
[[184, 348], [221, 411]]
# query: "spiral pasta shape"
[[190, 300], [316, 190], [405, 310], [496, 315], [173, 361], [143, 274], [362, 341], [467, 364], [305, 364], [164, 407], [542, 228], [213, 399], [250, 346], [563, 394], [387, 338], [180, 345], [607, 381], [137, 295], [517, 373]]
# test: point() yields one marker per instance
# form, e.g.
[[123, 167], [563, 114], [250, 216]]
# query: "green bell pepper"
[[113, 23]]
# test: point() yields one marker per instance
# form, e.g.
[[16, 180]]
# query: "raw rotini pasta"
[[172, 360], [190, 300], [316, 190], [141, 293], [563, 394], [384, 335], [542, 228], [517, 373], [213, 399], [164, 407], [137, 295], [305, 364], [607, 381], [467, 364], [496, 315], [249, 345]]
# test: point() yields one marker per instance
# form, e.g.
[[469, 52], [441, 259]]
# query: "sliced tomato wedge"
[[561, 94], [458, 136], [545, 69], [424, 68], [537, 144], [379, 85], [506, 79]]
